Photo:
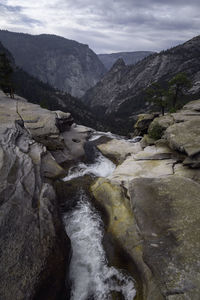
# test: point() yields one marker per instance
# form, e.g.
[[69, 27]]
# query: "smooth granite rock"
[[118, 150], [132, 168], [152, 202], [122, 225], [185, 136], [34, 249], [167, 213]]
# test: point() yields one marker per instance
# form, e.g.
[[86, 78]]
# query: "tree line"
[[169, 98]]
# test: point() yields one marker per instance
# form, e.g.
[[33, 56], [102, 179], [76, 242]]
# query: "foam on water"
[[89, 272], [102, 167], [97, 134]]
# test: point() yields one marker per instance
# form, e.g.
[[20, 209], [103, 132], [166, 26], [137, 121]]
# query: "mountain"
[[65, 64], [41, 93], [120, 95], [130, 58]]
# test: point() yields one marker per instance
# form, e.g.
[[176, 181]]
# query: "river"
[[90, 275]]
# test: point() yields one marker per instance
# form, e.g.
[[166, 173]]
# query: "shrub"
[[155, 131]]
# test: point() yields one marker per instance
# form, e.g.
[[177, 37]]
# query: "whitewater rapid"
[[101, 167], [90, 275]]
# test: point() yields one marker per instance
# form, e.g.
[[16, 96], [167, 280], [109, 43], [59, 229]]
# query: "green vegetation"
[[41, 93], [158, 96], [168, 97], [178, 85], [156, 131]]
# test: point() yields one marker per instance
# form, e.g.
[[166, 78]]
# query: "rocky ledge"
[[153, 205], [34, 249]]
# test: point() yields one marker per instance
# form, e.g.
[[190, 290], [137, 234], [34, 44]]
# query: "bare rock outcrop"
[[34, 249], [153, 206]]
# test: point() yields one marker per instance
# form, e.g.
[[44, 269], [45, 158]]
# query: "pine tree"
[[158, 96], [179, 84]]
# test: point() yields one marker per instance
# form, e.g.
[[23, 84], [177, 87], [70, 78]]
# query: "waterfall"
[[102, 167], [91, 277], [89, 271]]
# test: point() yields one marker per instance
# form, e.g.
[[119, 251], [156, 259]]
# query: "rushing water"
[[90, 274], [102, 167], [96, 135]]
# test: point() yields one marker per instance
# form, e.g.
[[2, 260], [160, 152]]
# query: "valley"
[[99, 190]]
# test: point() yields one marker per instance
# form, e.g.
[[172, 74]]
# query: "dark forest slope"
[[120, 94], [65, 64]]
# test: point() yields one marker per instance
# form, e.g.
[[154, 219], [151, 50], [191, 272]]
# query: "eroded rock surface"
[[118, 150], [167, 212], [152, 202], [34, 249]]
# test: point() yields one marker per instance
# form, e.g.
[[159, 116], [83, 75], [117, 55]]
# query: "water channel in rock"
[[91, 276]]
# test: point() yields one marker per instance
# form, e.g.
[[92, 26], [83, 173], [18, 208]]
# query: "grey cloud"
[[10, 8], [115, 25], [15, 15]]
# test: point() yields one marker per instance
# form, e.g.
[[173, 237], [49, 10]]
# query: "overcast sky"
[[107, 25]]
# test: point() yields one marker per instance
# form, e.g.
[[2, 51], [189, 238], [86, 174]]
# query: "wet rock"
[[50, 168], [63, 120], [74, 143], [122, 226]]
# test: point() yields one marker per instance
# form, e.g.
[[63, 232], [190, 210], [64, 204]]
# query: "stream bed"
[[90, 275]]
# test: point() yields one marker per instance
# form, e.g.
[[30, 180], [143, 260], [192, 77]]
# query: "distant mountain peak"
[[120, 95], [130, 58], [118, 64]]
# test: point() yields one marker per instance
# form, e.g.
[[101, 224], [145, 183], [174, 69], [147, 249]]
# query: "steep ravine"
[[91, 273], [149, 204]]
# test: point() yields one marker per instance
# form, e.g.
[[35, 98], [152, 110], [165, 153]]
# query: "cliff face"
[[38, 92], [65, 64], [153, 205], [119, 95], [35, 250], [130, 58]]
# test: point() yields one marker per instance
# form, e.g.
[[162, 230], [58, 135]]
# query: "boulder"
[[74, 140], [41, 124], [142, 124], [185, 171], [192, 106], [118, 150], [167, 213], [185, 136], [155, 153], [159, 125], [147, 141], [63, 120]]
